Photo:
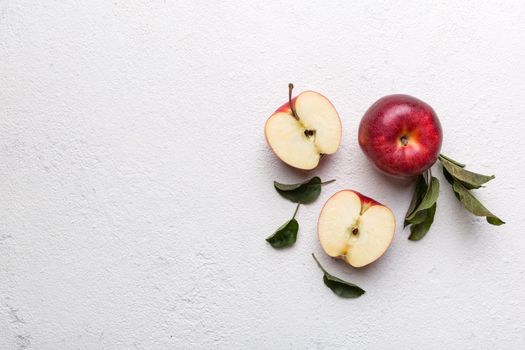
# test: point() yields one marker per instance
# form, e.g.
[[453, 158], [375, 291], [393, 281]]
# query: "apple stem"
[[327, 182], [296, 209], [290, 89], [318, 263]]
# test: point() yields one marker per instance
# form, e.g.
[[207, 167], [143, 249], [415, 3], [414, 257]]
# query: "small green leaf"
[[462, 181], [470, 186], [495, 221], [338, 286], [448, 176], [450, 180], [419, 193], [429, 198], [421, 188], [290, 187], [473, 205], [286, 235], [461, 165], [419, 230], [468, 178], [305, 192], [417, 219], [422, 216]]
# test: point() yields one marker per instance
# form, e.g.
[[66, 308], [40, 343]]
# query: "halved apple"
[[304, 129], [355, 228]]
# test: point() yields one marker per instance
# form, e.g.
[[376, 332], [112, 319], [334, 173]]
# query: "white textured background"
[[136, 185]]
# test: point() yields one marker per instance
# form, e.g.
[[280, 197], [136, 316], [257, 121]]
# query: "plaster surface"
[[136, 184]]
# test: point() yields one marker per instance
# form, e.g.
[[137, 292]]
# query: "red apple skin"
[[383, 127], [285, 108], [366, 201]]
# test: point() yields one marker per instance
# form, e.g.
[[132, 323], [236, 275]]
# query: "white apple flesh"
[[300, 140], [355, 228]]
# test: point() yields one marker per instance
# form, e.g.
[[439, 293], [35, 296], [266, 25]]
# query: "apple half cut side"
[[355, 228], [303, 130]]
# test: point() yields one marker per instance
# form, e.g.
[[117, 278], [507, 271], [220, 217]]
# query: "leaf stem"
[[327, 182], [290, 89], [296, 209], [318, 263]]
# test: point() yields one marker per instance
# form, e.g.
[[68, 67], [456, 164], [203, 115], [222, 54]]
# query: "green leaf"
[[421, 188], [419, 230], [461, 165], [429, 199], [495, 221], [450, 180], [468, 178], [448, 176], [470, 186], [417, 219], [422, 216], [305, 192], [473, 205], [286, 235], [419, 192], [462, 181], [338, 286]]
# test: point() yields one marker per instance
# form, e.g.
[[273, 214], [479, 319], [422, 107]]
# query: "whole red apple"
[[401, 135]]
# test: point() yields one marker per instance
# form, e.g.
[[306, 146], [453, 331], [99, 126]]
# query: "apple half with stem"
[[355, 228], [304, 129]]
